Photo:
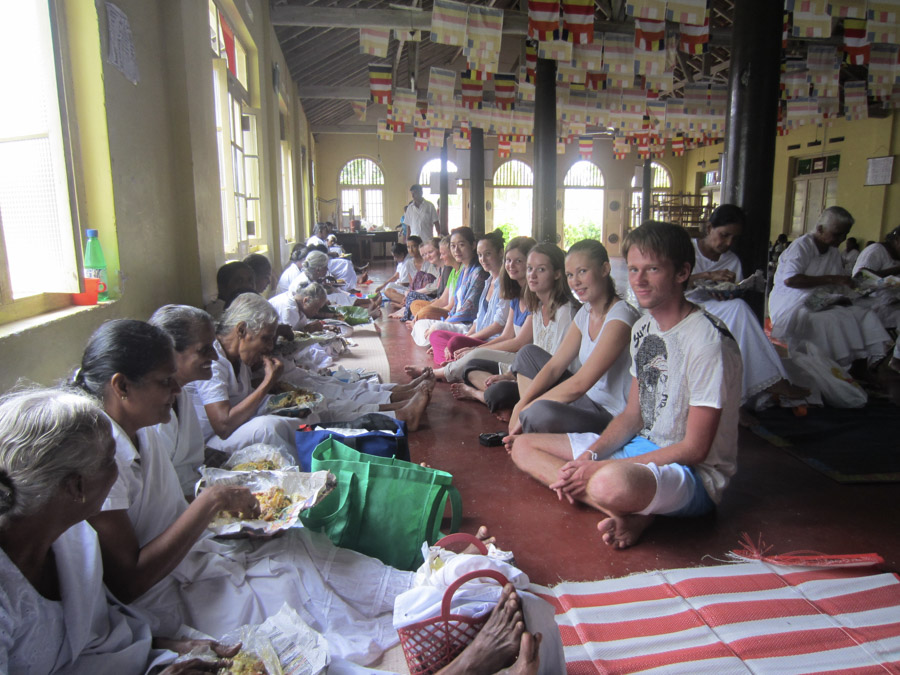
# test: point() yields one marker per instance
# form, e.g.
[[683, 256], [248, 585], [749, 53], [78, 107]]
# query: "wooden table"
[[359, 245]]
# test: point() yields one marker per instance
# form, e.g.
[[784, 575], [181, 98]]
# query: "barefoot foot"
[[412, 412], [414, 371], [464, 392], [484, 537], [503, 415], [497, 644], [623, 531], [528, 661]]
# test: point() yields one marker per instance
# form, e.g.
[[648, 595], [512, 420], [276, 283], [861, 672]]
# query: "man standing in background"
[[421, 217]]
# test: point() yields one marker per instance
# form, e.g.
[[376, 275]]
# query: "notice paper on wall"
[[879, 170], [121, 46]]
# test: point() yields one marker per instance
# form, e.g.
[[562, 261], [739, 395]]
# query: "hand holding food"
[[233, 499]]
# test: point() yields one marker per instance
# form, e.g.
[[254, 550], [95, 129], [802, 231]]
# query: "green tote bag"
[[383, 507]]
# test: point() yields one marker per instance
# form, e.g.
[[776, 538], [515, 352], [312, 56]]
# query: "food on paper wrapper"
[[245, 663]]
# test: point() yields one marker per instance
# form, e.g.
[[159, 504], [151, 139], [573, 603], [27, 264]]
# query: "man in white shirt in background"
[[844, 333], [421, 217]]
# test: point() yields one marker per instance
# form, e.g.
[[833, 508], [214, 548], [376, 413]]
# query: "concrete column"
[[476, 189], [646, 194], [544, 208], [445, 189], [751, 121]]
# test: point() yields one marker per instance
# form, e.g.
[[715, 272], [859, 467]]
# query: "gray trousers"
[[552, 417]]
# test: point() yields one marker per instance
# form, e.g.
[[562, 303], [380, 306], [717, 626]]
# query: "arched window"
[[661, 184], [512, 199], [454, 211], [583, 203], [362, 191]]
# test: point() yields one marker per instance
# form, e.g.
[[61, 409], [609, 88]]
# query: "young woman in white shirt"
[[553, 400]]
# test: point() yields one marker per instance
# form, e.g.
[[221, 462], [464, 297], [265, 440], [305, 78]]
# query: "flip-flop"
[[493, 439]]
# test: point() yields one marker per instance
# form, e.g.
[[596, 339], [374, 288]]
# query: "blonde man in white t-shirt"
[[673, 449]]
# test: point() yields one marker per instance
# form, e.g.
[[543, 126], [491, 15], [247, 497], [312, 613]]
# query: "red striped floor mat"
[[751, 617]]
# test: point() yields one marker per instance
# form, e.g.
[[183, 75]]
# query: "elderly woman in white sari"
[[57, 463], [158, 552]]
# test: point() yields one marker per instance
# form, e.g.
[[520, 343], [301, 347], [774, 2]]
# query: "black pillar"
[[646, 191], [445, 190], [751, 121], [476, 187], [544, 209]]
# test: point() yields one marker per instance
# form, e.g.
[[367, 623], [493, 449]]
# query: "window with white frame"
[[660, 184], [513, 182], [288, 223], [362, 192], [236, 132], [583, 203], [38, 244], [454, 209]]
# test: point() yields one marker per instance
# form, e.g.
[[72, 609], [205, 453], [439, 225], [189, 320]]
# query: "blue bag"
[[389, 440]]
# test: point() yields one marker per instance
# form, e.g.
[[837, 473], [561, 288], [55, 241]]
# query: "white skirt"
[[843, 333], [422, 325], [762, 365]]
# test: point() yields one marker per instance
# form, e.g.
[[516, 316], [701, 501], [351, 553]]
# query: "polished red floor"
[[774, 496]]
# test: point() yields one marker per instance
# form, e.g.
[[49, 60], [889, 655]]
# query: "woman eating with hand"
[[57, 464], [158, 552]]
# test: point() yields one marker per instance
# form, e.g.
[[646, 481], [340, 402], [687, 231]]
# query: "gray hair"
[[181, 323], [46, 435], [835, 215], [316, 260], [312, 290], [248, 308]]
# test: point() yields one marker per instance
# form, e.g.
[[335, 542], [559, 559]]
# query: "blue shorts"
[[679, 490]]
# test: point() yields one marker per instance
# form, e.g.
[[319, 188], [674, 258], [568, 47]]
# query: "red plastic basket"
[[431, 644]]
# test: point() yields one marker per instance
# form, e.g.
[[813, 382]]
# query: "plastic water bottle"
[[403, 226], [95, 261]]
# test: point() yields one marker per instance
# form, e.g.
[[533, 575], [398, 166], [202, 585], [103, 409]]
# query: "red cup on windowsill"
[[92, 288]]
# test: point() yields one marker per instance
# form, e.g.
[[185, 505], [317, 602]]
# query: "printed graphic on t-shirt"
[[652, 368]]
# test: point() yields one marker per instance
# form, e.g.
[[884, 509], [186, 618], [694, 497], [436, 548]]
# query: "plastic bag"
[[828, 379]]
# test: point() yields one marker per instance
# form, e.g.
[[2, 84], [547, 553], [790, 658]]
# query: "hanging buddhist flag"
[[586, 147], [503, 147], [882, 32], [404, 103], [359, 109], [560, 146], [393, 123], [374, 41], [618, 60], [422, 134], [829, 109], [578, 21], [794, 79], [649, 35], [811, 19], [883, 70], [884, 11], [824, 67], [687, 11], [531, 56], [694, 39], [384, 133], [448, 22], [380, 82], [678, 145], [505, 91], [848, 9], [543, 20], [441, 83], [646, 9], [567, 72], [517, 145], [526, 90], [856, 105], [484, 30], [472, 90], [620, 147], [856, 42], [558, 50], [786, 30]]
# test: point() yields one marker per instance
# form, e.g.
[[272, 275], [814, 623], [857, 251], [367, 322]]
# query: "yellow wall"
[[875, 208], [401, 165], [154, 190]]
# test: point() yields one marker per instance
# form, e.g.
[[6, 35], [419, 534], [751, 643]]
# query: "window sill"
[[22, 325]]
